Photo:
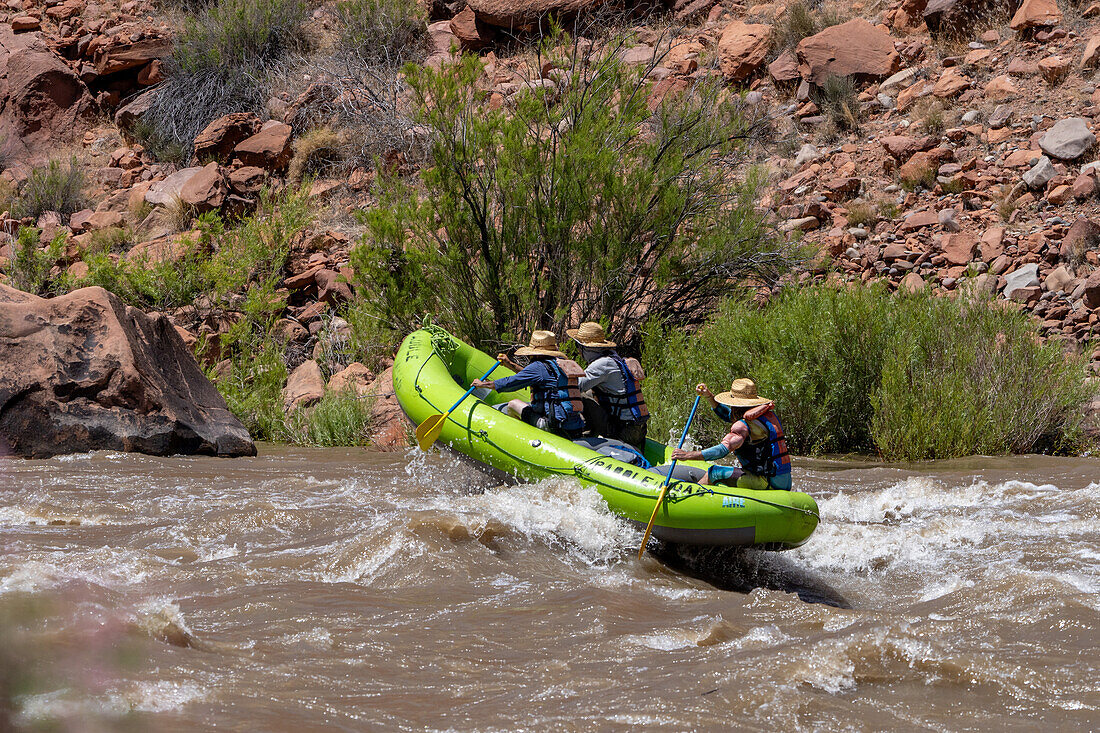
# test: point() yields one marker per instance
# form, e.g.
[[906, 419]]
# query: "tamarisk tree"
[[582, 197]]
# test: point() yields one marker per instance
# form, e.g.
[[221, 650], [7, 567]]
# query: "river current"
[[345, 589]]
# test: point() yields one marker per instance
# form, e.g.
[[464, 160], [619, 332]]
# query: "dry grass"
[[179, 214], [317, 153], [862, 213]]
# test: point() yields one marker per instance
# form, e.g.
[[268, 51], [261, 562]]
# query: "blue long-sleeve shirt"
[[537, 373], [716, 452], [541, 378]]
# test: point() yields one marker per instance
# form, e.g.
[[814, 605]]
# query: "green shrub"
[[383, 32], [241, 36], [31, 265], [56, 187], [579, 202], [858, 370], [158, 141], [838, 100], [861, 212], [340, 418], [370, 341], [802, 20], [222, 63], [253, 388]]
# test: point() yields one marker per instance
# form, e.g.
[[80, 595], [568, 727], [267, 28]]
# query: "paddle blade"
[[652, 518], [428, 431]]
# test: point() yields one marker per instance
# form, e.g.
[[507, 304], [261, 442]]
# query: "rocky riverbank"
[[903, 145]]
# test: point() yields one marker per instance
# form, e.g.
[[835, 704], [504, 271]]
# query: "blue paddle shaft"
[[683, 437], [472, 388]]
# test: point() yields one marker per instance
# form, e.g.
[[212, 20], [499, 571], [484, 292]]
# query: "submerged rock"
[[84, 371]]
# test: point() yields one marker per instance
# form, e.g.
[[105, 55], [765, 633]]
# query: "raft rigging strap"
[[484, 435]]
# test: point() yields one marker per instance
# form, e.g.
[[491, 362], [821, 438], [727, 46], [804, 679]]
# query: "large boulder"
[[855, 48], [1036, 14], [525, 14], [742, 49], [1069, 139], [42, 101], [472, 33], [113, 58], [84, 371]]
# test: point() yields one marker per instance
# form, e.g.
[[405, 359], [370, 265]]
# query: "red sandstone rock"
[[354, 377], [742, 49], [388, 424], [1054, 68], [24, 23], [247, 180], [206, 190], [121, 57], [471, 32], [959, 249], [523, 14], [42, 101], [951, 83], [304, 387], [219, 138], [855, 48], [1036, 14], [269, 148], [84, 371], [784, 69]]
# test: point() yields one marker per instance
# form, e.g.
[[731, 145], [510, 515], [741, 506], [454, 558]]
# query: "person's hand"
[[703, 390], [482, 383], [679, 454]]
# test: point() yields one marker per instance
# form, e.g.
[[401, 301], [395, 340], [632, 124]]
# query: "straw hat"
[[543, 343], [590, 334], [742, 394]]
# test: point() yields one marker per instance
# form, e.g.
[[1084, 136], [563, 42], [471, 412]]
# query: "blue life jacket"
[[767, 456], [628, 407], [561, 403]]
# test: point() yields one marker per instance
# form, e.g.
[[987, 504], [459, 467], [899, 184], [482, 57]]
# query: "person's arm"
[[733, 440], [527, 376], [596, 373], [506, 360], [703, 390], [759, 410]]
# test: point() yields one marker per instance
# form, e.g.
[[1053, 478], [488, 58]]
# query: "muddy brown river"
[[345, 589]]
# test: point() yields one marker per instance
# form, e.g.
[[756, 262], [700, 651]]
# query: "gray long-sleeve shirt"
[[603, 373]]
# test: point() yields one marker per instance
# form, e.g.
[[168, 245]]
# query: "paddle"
[[428, 431], [664, 487]]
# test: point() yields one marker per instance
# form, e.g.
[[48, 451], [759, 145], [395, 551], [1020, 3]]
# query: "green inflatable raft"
[[432, 370]]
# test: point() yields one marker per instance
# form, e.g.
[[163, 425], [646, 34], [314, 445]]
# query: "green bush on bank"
[[909, 377], [31, 265], [575, 201], [222, 63], [383, 32], [57, 186]]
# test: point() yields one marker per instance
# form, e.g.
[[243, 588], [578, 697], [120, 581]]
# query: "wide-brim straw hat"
[[590, 334], [742, 394], [543, 343]]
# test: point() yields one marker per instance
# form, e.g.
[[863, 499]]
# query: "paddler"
[[555, 396], [755, 437], [619, 411]]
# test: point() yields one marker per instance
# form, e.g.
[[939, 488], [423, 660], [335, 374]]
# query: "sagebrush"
[[860, 370]]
